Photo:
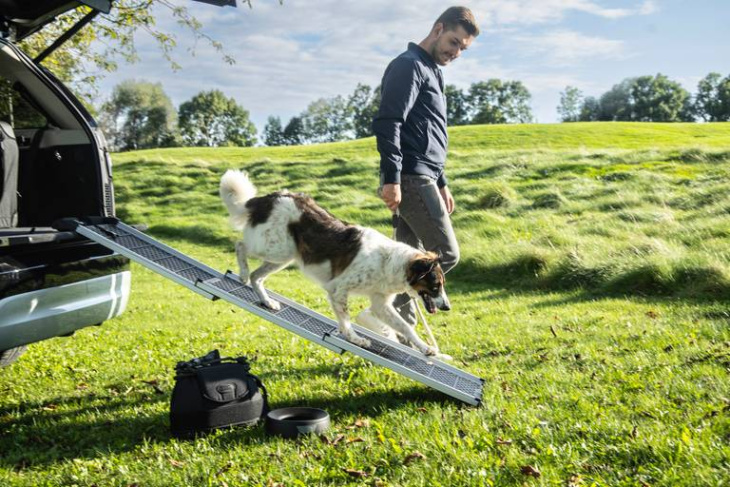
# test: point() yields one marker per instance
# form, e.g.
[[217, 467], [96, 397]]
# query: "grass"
[[592, 298]]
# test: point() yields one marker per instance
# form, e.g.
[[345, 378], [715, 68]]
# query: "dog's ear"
[[419, 268], [439, 256]]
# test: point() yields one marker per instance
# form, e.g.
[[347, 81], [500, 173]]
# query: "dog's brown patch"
[[260, 207], [320, 236]]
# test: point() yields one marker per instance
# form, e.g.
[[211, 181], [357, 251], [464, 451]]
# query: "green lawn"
[[592, 297]]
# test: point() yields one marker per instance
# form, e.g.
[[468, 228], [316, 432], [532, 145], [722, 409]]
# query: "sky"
[[289, 55]]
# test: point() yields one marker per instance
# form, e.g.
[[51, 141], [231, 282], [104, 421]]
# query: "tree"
[[294, 132], [327, 120], [457, 106], [273, 132], [494, 101], [139, 115], [363, 105], [590, 111], [570, 104], [712, 102], [210, 119], [484, 102], [616, 104], [645, 99], [95, 49], [657, 99], [688, 113]]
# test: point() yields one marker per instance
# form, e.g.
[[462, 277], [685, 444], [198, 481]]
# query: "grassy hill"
[[614, 208], [591, 297]]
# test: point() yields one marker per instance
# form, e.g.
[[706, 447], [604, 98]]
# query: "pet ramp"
[[296, 318]]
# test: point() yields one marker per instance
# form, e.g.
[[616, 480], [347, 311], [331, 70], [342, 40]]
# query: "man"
[[410, 128]]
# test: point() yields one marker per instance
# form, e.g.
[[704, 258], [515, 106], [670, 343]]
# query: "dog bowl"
[[292, 422]]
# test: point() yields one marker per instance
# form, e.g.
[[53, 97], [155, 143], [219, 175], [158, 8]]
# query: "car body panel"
[[46, 313]]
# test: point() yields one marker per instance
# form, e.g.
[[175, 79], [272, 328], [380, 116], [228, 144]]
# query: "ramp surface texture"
[[296, 318]]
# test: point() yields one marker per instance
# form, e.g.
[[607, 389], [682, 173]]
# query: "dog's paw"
[[271, 304], [443, 356], [358, 340], [404, 341], [430, 351]]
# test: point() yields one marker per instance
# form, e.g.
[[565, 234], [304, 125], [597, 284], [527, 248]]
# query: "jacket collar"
[[425, 57]]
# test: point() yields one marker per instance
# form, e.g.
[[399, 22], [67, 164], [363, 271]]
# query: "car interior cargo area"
[[50, 166]]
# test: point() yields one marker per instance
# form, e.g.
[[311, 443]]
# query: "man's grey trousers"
[[425, 224]]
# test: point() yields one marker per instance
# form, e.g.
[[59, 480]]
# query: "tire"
[[7, 357]]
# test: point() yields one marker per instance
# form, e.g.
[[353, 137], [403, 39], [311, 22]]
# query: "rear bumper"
[[37, 315]]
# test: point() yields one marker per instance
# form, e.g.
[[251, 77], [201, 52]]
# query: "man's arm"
[[399, 91], [448, 199]]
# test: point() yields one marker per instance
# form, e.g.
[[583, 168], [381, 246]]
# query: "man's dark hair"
[[459, 16]]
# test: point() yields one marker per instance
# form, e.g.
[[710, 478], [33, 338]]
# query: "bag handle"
[[211, 358]]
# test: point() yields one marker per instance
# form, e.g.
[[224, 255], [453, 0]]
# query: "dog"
[[282, 227]]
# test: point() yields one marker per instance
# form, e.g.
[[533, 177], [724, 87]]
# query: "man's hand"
[[391, 195], [448, 199]]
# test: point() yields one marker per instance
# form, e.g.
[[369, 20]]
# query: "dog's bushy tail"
[[235, 190]]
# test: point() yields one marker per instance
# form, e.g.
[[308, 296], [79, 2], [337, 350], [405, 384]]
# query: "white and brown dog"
[[284, 227]]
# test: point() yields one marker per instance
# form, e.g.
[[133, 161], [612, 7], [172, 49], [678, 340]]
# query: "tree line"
[[650, 99], [350, 117], [139, 115]]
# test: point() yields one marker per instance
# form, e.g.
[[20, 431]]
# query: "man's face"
[[449, 44]]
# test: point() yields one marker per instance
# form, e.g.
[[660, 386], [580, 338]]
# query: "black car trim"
[[66, 36], [33, 237], [34, 15], [46, 266]]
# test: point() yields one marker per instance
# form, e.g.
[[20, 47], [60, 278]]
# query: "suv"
[[54, 163]]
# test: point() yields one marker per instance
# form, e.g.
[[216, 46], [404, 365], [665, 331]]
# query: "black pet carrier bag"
[[212, 392]]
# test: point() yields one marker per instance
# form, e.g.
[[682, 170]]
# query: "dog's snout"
[[442, 302]]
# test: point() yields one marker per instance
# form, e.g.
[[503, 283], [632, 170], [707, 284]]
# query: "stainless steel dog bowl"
[[292, 422]]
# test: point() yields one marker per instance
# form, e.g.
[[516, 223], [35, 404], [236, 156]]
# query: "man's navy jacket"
[[410, 126]]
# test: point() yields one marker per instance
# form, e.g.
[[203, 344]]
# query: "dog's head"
[[426, 277]]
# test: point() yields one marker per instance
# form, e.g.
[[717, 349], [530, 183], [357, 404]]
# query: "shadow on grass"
[[587, 297], [77, 427], [373, 404], [64, 428], [523, 275]]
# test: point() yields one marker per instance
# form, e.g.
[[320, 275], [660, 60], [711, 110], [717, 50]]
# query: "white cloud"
[[648, 7], [564, 47]]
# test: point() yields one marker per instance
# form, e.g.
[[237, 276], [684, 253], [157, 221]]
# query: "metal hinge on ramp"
[[292, 316]]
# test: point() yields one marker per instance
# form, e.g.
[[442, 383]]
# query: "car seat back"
[[8, 177]]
